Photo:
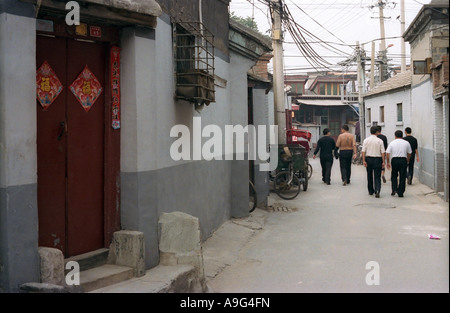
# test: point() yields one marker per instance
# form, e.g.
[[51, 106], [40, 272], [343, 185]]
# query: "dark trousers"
[[345, 162], [399, 168], [326, 164], [374, 166], [410, 166]]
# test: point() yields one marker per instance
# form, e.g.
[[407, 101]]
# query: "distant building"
[[327, 100]]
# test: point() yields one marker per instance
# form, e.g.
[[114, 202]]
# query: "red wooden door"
[[71, 151]]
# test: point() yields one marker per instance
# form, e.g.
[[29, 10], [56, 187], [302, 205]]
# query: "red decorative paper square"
[[48, 86], [86, 88]]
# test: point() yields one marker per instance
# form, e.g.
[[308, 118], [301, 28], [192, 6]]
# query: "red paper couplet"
[[115, 86]]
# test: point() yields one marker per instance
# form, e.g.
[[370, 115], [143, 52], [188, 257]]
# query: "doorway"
[[71, 145]]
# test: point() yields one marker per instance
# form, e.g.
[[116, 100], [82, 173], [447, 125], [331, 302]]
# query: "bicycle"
[[286, 183], [252, 197], [310, 170]]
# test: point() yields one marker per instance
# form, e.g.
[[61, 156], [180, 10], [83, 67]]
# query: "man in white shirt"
[[400, 153], [373, 155]]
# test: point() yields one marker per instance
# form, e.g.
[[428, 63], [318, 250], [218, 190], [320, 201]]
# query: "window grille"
[[194, 63]]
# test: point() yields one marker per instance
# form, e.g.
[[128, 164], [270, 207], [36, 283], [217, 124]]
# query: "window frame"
[[194, 76], [400, 116]]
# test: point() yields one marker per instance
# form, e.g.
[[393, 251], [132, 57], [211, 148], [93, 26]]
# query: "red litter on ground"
[[432, 236]]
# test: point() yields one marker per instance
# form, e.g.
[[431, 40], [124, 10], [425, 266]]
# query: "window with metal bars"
[[194, 63]]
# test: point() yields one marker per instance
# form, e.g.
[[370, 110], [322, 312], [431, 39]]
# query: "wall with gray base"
[[261, 117], [151, 181], [19, 262]]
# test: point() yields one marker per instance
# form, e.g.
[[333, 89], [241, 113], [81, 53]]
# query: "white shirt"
[[398, 149], [373, 147]]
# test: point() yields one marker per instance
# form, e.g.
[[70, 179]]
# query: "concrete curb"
[[160, 279]]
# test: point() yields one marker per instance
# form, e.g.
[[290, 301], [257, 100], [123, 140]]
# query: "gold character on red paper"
[[87, 87], [45, 84]]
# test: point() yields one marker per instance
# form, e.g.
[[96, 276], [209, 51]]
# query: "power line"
[[317, 22]]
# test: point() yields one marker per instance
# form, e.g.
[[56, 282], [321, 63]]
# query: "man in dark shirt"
[[414, 156], [385, 143], [327, 147]]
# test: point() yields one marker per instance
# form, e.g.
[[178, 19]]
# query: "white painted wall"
[[148, 91], [18, 155], [422, 127], [389, 101]]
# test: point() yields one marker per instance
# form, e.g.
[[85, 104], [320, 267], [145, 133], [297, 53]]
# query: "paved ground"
[[323, 240]]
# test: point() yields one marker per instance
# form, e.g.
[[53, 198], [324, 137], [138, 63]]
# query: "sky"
[[339, 23]]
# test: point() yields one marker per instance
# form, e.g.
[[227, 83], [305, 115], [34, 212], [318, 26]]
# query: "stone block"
[[129, 250], [180, 241], [179, 232], [168, 259], [51, 266]]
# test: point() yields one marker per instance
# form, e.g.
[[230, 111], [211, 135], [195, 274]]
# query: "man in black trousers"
[[415, 153], [327, 147], [373, 155], [346, 144], [400, 152], [385, 142]]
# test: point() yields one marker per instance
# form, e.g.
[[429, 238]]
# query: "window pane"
[[322, 89], [302, 116], [399, 112], [309, 116], [381, 114]]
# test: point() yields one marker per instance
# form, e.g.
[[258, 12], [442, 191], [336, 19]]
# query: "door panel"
[[85, 153], [51, 151], [71, 168]]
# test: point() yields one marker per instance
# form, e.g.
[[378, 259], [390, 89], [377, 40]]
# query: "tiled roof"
[[398, 81]]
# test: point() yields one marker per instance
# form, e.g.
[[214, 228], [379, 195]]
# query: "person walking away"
[[327, 146], [346, 143], [385, 143], [373, 154], [358, 132], [400, 151], [414, 155]]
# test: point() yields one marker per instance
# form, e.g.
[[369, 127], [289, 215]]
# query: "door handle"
[[62, 130]]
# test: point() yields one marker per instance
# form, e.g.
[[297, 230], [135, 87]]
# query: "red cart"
[[300, 137]]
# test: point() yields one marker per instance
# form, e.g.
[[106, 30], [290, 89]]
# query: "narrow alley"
[[323, 240]]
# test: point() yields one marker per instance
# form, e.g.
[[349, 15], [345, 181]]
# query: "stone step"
[[105, 275], [90, 260], [180, 278]]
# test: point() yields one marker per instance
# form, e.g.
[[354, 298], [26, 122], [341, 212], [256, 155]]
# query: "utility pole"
[[372, 67], [383, 52], [381, 5], [361, 89], [278, 71], [403, 47]]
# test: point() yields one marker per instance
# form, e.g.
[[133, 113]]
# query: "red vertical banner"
[[115, 86]]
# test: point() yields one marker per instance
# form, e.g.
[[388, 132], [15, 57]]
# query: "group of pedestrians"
[[377, 155]]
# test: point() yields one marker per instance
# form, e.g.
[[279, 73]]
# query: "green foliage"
[[247, 21]]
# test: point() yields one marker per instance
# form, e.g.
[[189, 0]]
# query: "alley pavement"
[[335, 238]]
